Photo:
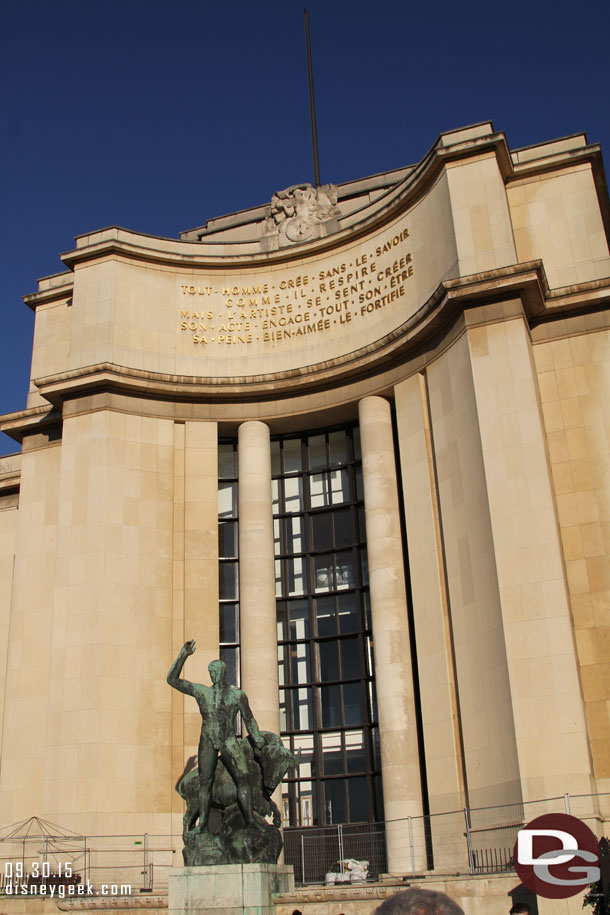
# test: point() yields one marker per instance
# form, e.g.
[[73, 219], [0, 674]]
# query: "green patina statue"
[[234, 775]]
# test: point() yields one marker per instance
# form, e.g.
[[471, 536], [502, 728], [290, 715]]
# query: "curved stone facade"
[[457, 310]]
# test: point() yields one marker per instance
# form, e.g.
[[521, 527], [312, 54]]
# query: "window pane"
[[302, 712], [323, 574], [283, 713], [292, 455], [275, 459], [280, 610], [329, 660], [345, 531], [318, 487], [227, 502], [228, 580], [293, 494], [337, 444], [359, 484], [228, 623], [379, 814], [278, 578], [325, 616], [355, 752], [332, 757], [356, 442], [227, 539], [229, 656], [339, 486], [275, 496], [373, 698], [276, 537], [227, 461], [299, 619], [353, 708], [330, 697], [350, 658], [334, 791], [321, 531], [358, 800], [303, 744], [376, 749], [295, 575], [305, 803], [362, 523], [281, 664], [367, 609], [345, 570], [300, 667], [365, 567], [347, 607], [294, 540], [317, 451], [369, 656]]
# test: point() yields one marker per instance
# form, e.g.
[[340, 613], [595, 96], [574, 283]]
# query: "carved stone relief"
[[301, 213]]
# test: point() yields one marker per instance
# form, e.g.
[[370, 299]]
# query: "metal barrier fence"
[[140, 863], [315, 852], [476, 840]]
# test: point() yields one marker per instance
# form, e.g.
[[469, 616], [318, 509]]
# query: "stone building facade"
[[356, 442]]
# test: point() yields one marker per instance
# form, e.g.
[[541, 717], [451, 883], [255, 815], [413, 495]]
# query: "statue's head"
[[218, 671]]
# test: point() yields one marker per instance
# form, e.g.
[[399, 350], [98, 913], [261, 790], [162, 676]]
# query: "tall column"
[[393, 674], [258, 633]]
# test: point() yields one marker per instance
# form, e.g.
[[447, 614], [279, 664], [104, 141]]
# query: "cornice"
[[9, 482], [30, 421], [54, 288], [156, 903], [117, 242]]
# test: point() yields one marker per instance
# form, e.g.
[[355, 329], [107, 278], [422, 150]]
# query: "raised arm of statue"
[[173, 677], [250, 722]]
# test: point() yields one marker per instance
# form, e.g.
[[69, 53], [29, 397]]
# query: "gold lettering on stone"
[[325, 300]]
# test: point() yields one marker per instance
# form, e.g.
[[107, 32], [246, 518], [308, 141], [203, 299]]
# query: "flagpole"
[[312, 106]]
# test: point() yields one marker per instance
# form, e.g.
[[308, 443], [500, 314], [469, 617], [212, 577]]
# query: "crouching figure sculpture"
[[235, 776]]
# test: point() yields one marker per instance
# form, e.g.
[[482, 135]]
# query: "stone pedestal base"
[[227, 889]]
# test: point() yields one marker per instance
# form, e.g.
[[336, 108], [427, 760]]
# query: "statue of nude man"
[[219, 705]]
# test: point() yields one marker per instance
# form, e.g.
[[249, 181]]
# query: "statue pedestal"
[[228, 889]]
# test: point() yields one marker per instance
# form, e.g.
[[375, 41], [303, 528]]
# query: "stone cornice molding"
[[352, 892], [221, 255], [112, 904]]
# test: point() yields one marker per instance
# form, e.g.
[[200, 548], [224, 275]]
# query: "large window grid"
[[228, 559], [325, 650]]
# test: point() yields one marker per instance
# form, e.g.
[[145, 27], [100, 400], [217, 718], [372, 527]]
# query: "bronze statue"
[[235, 775]]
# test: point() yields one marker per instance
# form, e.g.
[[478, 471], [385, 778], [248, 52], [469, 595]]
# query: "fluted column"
[[393, 674], [258, 633]]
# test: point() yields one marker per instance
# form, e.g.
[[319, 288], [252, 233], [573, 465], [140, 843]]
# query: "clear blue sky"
[[159, 115]]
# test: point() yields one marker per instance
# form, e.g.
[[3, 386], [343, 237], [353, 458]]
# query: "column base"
[[227, 889]]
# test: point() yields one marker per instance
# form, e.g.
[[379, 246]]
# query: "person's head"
[[218, 671], [419, 902], [520, 908]]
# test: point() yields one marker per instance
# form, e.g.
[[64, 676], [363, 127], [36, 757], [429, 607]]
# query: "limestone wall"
[[574, 379]]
